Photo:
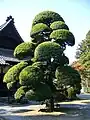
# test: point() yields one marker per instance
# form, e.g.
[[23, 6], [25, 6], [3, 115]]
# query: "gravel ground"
[[76, 110]]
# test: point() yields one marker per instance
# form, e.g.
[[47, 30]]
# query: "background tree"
[[83, 56], [83, 51], [49, 37], [83, 72]]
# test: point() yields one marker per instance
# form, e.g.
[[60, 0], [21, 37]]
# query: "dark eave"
[[6, 56]]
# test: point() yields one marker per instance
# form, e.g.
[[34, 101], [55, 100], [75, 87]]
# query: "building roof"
[[9, 40], [6, 56], [9, 36]]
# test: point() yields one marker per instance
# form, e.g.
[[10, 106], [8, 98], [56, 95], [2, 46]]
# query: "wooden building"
[[9, 39]]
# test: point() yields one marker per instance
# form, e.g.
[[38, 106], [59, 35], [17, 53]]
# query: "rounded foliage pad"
[[31, 76], [63, 36], [24, 49], [58, 25], [47, 17], [13, 73], [39, 28], [47, 50]]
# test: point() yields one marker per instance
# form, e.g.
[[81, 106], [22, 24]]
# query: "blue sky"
[[76, 14]]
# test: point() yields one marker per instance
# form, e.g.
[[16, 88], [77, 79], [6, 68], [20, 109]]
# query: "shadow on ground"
[[72, 112]]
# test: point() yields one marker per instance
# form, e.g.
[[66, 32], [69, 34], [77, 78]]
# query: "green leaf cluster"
[[47, 17], [31, 76], [20, 92], [47, 50], [58, 25], [13, 73], [24, 49], [71, 93], [39, 28], [49, 26], [63, 37], [42, 92], [10, 85], [67, 76], [83, 52]]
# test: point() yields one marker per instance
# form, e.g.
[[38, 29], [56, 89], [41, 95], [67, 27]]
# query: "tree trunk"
[[51, 104], [87, 84]]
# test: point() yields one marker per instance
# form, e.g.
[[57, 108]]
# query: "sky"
[[76, 14]]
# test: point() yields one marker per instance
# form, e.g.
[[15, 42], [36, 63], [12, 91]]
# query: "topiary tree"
[[50, 35]]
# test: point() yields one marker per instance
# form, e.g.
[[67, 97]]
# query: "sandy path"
[[34, 109]]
